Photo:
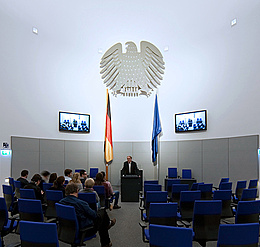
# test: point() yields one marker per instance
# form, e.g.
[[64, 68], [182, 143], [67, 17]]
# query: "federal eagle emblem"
[[132, 73]]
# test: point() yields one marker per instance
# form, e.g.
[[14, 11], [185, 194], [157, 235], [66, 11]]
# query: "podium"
[[130, 187]]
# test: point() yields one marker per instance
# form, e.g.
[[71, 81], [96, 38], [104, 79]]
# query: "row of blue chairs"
[[173, 173]]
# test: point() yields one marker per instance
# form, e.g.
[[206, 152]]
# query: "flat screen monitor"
[[74, 122], [191, 121]]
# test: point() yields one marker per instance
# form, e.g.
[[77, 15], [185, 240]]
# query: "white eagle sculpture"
[[132, 73]]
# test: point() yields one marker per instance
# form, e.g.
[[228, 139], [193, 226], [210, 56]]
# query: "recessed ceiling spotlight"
[[100, 50], [166, 48], [233, 22], [35, 30]]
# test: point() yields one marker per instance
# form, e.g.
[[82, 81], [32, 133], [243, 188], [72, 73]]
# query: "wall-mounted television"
[[191, 121], [74, 122]]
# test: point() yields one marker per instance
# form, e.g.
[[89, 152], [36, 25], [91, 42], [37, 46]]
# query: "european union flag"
[[157, 129]]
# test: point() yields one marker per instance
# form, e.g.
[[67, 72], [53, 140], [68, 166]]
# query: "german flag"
[[108, 145]]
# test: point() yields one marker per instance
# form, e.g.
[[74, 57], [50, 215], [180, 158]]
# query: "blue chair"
[[52, 196], [249, 194], [206, 191], [11, 183], [242, 235], [9, 197], [176, 191], [225, 196], [152, 196], [100, 189], [170, 236], [17, 185], [93, 172], [225, 186], [46, 186], [90, 198], [30, 210], [186, 205], [27, 194], [68, 227], [151, 182], [247, 212], [253, 183], [149, 187], [195, 186], [160, 214], [172, 172], [241, 185], [38, 234], [6, 225], [206, 221], [186, 174], [169, 184]]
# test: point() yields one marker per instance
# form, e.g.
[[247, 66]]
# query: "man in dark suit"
[[130, 167]]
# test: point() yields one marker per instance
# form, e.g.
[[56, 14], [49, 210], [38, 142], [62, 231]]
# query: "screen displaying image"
[[74, 122], [191, 121]]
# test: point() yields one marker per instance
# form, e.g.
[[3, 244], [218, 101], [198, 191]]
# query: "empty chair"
[[27, 194], [170, 236], [9, 197], [93, 172], [206, 191], [187, 200], [242, 235], [172, 172], [38, 234], [253, 183], [149, 187], [206, 221], [241, 185], [169, 184], [68, 227], [46, 186], [186, 174], [6, 225], [17, 185], [11, 183], [225, 186], [225, 196], [90, 198], [195, 186], [249, 194], [52, 196], [151, 182], [176, 191], [247, 212], [152, 196], [160, 214], [30, 210]]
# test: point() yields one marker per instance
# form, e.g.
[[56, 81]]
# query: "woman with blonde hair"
[[75, 180]]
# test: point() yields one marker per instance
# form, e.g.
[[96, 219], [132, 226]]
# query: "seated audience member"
[[23, 178], [58, 184], [68, 174], [89, 183], [45, 178], [88, 217], [34, 184], [53, 177], [75, 180], [83, 176]]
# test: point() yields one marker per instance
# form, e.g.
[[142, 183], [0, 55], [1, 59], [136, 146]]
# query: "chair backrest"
[[38, 234], [206, 191], [90, 198], [27, 193], [93, 172], [169, 184], [17, 185], [9, 196], [176, 191], [163, 214], [152, 187], [30, 210], [224, 180], [100, 189], [247, 212], [225, 186], [225, 196], [242, 235], [3, 214], [151, 182], [187, 200], [11, 182], [170, 236], [249, 194], [52, 196], [186, 173], [46, 186], [206, 220], [241, 185], [195, 186], [172, 172], [253, 183]]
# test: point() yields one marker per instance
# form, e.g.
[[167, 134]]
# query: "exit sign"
[[6, 152]]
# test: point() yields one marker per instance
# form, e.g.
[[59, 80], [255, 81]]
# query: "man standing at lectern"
[[130, 167]]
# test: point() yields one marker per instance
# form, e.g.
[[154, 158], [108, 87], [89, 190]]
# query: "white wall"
[[209, 65]]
